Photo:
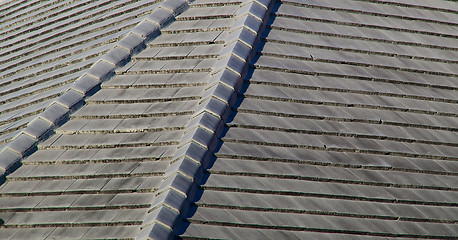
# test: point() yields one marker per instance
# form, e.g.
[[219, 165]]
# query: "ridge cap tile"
[[185, 165], [8, 157], [198, 142], [264, 3], [194, 151], [214, 106], [205, 120], [236, 48], [227, 77], [245, 35], [233, 63], [156, 230], [222, 92], [163, 215], [176, 6], [200, 136], [22, 143], [132, 42], [54, 113], [254, 9], [70, 98], [161, 16], [171, 198], [85, 84], [38, 128], [179, 182], [148, 29], [102, 70], [117, 56], [249, 21]]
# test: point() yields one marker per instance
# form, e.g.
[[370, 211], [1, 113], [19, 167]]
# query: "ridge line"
[[194, 153], [89, 82]]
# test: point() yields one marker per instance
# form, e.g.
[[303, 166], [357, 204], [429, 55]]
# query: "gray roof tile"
[[242, 34], [90, 186], [228, 77], [8, 158], [101, 70], [32, 233], [217, 11], [70, 98], [56, 202], [38, 127], [156, 230], [68, 232], [147, 29], [13, 202], [132, 42], [176, 7], [22, 143], [162, 16], [344, 126], [117, 56]]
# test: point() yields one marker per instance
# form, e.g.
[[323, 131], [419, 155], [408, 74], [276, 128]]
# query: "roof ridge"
[[194, 153], [57, 113]]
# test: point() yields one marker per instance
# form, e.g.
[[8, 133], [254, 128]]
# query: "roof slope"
[[47, 45], [214, 119], [96, 175], [345, 129]]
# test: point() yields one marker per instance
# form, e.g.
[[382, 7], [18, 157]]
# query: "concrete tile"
[[161, 16], [112, 232], [60, 233], [87, 83], [87, 184], [147, 29], [41, 233]]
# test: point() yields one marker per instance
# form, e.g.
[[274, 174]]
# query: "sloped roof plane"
[[228, 119]]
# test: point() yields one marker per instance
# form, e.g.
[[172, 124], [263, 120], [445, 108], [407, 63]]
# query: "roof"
[[216, 119]]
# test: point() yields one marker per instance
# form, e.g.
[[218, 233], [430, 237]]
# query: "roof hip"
[[57, 113], [201, 135]]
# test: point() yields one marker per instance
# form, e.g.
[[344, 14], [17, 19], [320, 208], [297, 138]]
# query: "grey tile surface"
[[75, 172], [53, 56], [68, 233], [111, 232], [315, 93], [343, 128], [33, 233]]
